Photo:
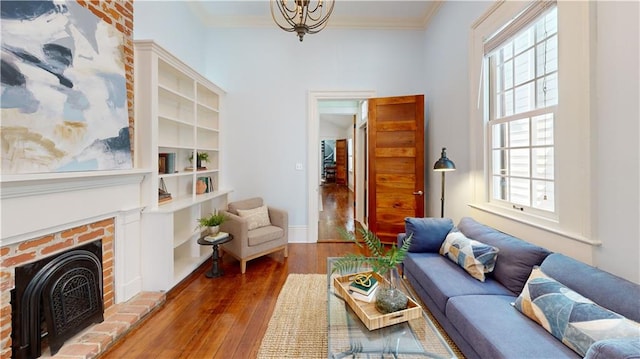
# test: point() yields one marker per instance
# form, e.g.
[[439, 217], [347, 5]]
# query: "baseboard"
[[298, 234]]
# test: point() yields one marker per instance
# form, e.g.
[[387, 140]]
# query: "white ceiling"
[[378, 14]]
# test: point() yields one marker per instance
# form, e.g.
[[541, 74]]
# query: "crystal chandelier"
[[302, 16]]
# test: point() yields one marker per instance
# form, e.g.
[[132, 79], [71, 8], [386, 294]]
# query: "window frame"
[[498, 116]]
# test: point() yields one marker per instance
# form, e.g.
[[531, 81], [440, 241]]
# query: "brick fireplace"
[[15, 255]]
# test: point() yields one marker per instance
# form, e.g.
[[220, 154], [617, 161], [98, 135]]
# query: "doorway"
[[315, 102]]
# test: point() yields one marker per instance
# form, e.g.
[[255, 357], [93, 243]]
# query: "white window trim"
[[576, 45]]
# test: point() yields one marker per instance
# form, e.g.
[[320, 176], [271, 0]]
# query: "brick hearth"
[[119, 319]]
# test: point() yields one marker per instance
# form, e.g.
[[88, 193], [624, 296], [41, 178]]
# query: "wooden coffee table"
[[349, 337]]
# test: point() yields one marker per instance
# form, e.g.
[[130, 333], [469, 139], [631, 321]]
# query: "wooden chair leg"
[[286, 251], [243, 266]]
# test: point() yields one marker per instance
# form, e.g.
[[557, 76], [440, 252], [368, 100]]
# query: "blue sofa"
[[480, 316]]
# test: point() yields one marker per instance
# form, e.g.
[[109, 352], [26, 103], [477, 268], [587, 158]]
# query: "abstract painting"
[[63, 97]]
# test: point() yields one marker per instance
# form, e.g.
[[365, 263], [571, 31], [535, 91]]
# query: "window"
[[522, 111]]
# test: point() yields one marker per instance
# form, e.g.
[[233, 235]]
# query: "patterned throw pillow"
[[475, 257], [573, 319], [256, 218]]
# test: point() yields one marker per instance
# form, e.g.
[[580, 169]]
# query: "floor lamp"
[[443, 165]]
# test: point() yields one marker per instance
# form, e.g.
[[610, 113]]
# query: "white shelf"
[[176, 111], [182, 203]]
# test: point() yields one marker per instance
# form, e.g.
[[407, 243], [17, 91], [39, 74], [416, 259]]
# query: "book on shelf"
[[219, 236], [364, 298], [167, 162], [365, 286]]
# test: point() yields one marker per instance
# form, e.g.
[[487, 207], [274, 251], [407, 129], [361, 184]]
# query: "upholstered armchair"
[[257, 230]]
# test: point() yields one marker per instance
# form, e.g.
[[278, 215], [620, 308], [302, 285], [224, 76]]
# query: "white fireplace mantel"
[[36, 205]]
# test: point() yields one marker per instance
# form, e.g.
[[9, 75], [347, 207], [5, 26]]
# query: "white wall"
[[268, 74], [447, 109], [615, 144], [173, 26]]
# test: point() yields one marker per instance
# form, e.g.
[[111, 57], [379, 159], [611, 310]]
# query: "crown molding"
[[255, 21]]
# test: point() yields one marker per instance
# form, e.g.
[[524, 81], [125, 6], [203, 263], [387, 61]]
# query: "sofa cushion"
[[443, 279], [615, 349], [516, 258], [581, 278], [575, 320], [474, 257], [428, 233], [498, 331], [256, 217]]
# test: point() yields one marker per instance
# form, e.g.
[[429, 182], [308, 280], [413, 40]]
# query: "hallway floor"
[[337, 212]]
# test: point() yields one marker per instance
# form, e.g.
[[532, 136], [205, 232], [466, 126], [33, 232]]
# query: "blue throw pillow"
[[571, 318], [428, 233]]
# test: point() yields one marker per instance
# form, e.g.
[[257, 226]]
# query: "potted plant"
[[200, 157], [212, 222], [383, 260]]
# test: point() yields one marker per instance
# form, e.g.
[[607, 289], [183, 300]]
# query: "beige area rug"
[[298, 326]]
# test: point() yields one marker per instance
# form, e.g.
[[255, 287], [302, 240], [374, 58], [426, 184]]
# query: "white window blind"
[[523, 99]]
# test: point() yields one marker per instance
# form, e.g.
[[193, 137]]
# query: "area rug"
[[298, 326]]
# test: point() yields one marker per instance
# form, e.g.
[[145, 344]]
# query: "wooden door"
[[341, 162], [396, 163]]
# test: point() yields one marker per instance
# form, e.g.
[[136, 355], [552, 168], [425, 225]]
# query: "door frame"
[[313, 150]]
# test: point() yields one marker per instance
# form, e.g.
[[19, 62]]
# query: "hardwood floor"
[[337, 212], [224, 317]]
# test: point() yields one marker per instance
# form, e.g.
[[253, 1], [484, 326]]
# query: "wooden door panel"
[[391, 182], [396, 152], [399, 138], [396, 163]]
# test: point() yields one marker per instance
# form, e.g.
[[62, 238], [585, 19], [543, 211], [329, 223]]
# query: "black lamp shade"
[[443, 163]]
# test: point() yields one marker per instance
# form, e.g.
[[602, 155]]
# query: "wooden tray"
[[367, 312]]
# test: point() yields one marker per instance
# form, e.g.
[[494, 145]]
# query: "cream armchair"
[[270, 236]]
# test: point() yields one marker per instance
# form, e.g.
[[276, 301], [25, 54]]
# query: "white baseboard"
[[298, 234]]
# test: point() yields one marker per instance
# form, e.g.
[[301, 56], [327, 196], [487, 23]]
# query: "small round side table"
[[215, 271]]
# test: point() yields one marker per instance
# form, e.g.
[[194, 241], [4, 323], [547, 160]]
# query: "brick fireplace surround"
[[72, 210], [119, 318]]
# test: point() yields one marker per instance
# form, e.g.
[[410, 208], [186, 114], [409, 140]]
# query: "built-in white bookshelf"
[[177, 114]]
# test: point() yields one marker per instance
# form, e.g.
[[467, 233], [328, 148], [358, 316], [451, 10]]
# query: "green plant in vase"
[[383, 260], [212, 222], [200, 158]]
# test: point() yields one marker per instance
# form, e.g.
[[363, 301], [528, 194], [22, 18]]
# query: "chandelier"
[[302, 16]]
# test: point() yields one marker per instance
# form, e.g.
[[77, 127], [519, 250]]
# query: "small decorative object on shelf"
[[383, 261], [204, 185], [201, 157], [163, 195], [201, 186], [212, 222]]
